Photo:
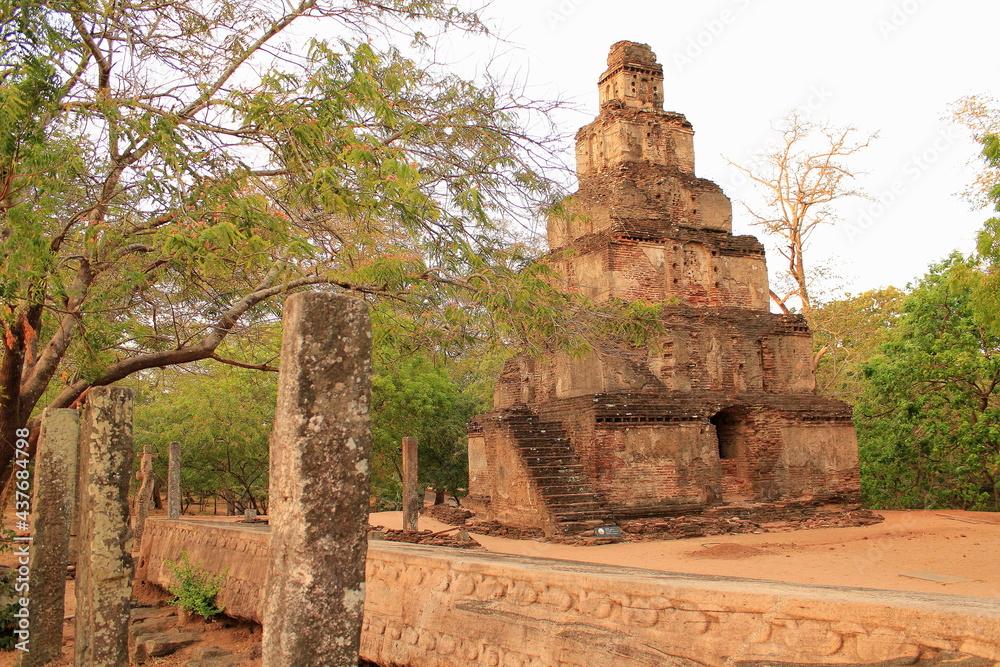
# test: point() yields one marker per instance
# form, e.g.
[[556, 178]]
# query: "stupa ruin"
[[722, 410]]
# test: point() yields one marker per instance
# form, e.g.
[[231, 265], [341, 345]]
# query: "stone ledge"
[[436, 607]]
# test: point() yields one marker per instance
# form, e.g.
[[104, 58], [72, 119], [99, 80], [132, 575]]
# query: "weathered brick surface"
[[721, 407]]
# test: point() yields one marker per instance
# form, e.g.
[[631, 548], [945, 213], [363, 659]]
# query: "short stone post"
[[144, 496], [51, 518], [174, 481], [104, 566], [412, 501], [319, 476]]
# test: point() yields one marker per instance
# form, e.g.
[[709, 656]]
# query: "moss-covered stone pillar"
[[174, 481], [52, 501], [104, 562], [144, 495], [319, 476]]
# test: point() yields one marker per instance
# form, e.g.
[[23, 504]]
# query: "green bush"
[[195, 589]]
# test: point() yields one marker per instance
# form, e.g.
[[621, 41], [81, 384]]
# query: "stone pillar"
[[144, 496], [412, 500], [319, 476], [51, 518], [174, 482], [104, 566]]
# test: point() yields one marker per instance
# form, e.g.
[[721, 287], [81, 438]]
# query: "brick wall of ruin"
[[643, 451], [703, 350], [671, 271], [648, 202]]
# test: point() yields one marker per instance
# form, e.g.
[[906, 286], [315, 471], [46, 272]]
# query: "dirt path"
[[951, 543]]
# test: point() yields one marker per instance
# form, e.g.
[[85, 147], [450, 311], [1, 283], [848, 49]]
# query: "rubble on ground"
[[459, 539]]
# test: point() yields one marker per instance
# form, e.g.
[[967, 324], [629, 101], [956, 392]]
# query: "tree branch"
[[240, 364]]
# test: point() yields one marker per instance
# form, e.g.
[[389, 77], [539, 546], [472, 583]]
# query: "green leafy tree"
[[847, 332], [168, 171], [928, 421], [986, 283], [414, 397], [980, 114], [222, 417]]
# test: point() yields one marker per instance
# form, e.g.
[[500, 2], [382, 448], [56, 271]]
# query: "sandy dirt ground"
[[953, 543]]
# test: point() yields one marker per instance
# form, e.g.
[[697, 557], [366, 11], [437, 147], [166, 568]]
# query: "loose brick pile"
[[497, 529], [453, 516], [723, 520], [422, 537]]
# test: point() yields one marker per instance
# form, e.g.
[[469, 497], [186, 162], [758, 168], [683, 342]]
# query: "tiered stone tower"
[[722, 410]]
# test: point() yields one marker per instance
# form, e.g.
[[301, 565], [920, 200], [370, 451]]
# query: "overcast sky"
[[737, 67]]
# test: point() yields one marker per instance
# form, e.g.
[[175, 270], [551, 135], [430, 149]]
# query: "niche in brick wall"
[[729, 429]]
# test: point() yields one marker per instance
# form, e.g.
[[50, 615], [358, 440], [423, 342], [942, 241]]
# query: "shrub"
[[195, 589]]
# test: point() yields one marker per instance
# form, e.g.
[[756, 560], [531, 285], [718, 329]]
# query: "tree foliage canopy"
[[223, 420], [929, 421], [414, 397], [171, 169], [223, 416], [847, 332]]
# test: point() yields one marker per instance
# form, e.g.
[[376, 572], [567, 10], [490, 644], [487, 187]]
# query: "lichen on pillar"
[[319, 484]]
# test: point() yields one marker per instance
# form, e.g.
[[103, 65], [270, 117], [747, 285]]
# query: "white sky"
[[735, 67]]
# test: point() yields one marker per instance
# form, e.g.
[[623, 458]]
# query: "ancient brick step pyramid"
[[721, 410]]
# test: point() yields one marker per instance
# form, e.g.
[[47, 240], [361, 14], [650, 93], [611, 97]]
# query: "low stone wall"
[[439, 607], [239, 550]]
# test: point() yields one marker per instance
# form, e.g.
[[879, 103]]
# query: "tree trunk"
[[439, 495], [10, 398]]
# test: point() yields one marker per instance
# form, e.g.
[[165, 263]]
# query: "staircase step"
[[572, 508], [558, 473], [559, 494], [534, 438], [534, 461], [546, 447], [578, 484], [560, 470], [547, 451]]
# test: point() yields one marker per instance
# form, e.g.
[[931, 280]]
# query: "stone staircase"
[[557, 471]]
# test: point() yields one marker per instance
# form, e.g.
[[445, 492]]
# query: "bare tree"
[[980, 114], [799, 179]]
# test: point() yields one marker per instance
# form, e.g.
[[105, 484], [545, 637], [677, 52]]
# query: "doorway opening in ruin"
[[728, 430]]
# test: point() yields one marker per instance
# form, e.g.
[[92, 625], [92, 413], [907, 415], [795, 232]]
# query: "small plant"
[[195, 589]]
